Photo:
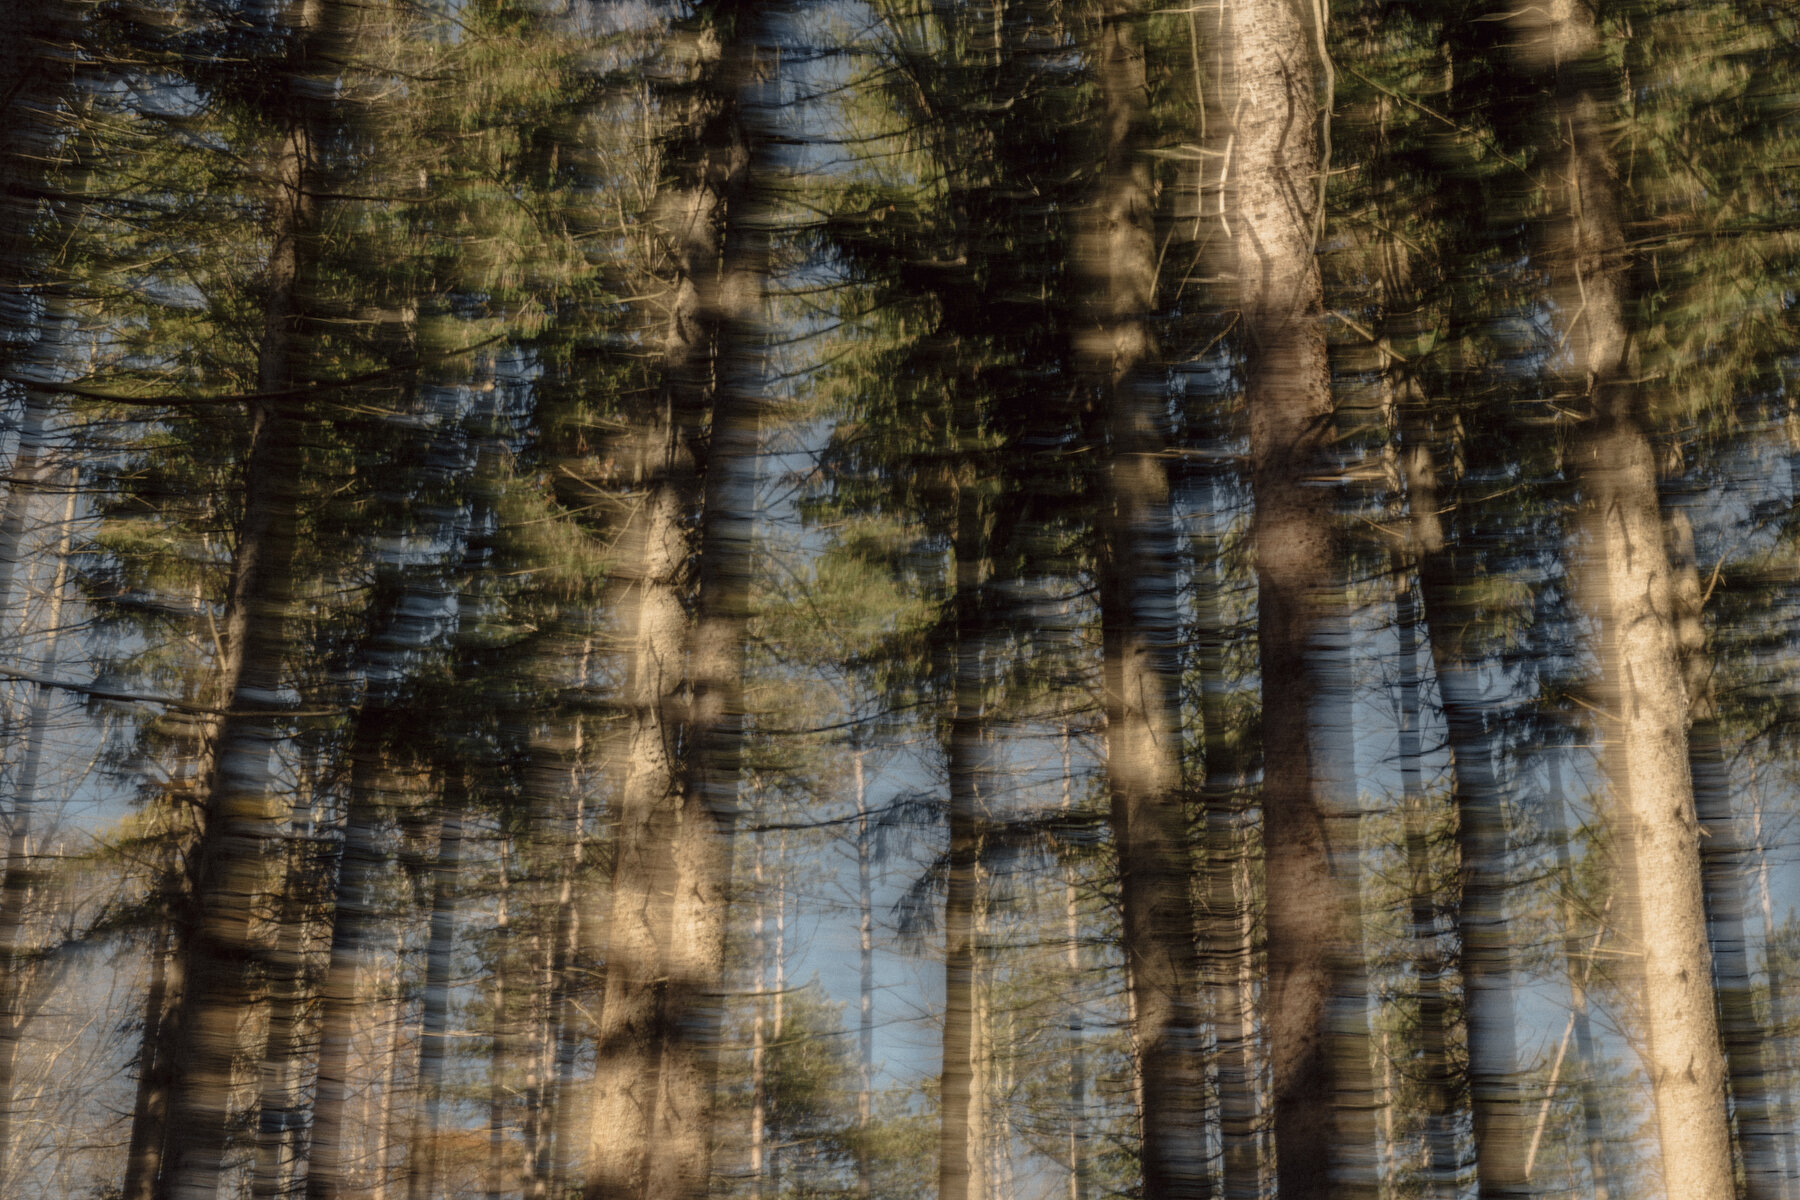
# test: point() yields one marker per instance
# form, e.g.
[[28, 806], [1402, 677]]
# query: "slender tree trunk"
[[424, 1150], [1593, 1119], [1080, 1170], [1627, 582], [500, 1053], [1229, 926], [328, 1161], [962, 1168], [1441, 1151], [1481, 842], [232, 877], [1115, 268], [1724, 871], [865, 935], [1314, 1000], [20, 874]]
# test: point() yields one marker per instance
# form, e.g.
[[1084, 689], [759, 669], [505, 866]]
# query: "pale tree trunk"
[[1724, 869], [1314, 1002], [500, 1053], [20, 993], [962, 1167], [1080, 1171], [865, 934], [1114, 270], [1442, 1165], [759, 1034], [658, 1042], [1626, 581], [233, 879]]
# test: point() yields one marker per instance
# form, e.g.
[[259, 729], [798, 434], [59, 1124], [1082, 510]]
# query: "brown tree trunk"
[[1114, 270], [1314, 1000], [233, 876], [1627, 583], [424, 1152], [328, 1164]]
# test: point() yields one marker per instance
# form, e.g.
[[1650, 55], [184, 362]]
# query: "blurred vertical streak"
[[232, 878], [1627, 583], [1579, 966], [1114, 278], [1315, 1002]]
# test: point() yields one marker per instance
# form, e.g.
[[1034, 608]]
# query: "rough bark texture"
[[1114, 273], [1313, 1000], [1628, 584], [659, 1032]]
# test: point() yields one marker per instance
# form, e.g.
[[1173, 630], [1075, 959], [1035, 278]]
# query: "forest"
[[894, 599]]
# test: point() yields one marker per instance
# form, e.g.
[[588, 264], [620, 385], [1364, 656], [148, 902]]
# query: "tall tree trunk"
[[1724, 873], [1577, 965], [1228, 930], [1485, 954], [1314, 994], [1115, 265], [865, 1008], [962, 1166], [1443, 1164], [232, 876], [20, 876], [353, 899], [424, 1152], [1627, 582], [658, 1043], [1080, 1169]]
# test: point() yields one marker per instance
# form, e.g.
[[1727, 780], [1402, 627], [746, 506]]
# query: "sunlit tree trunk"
[[1626, 581], [19, 991], [658, 1043], [1724, 874], [1314, 1002], [962, 1136], [1114, 269]]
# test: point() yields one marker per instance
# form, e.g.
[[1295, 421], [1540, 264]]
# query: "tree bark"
[[1627, 583], [1314, 998], [232, 877], [1114, 270]]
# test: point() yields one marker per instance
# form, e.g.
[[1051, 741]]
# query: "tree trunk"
[[1441, 1151], [232, 877], [962, 1166], [17, 999], [1627, 583], [353, 898], [1310, 841], [423, 1152], [865, 936], [1114, 265]]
